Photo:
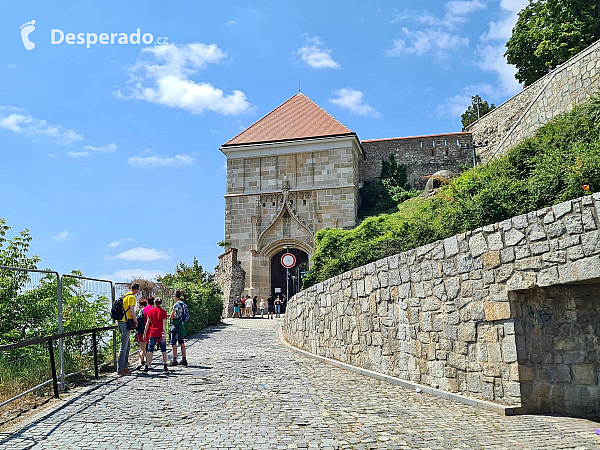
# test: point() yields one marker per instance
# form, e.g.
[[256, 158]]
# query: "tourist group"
[[249, 307], [150, 326]]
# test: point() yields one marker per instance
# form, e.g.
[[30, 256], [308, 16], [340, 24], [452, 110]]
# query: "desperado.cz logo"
[[58, 36]]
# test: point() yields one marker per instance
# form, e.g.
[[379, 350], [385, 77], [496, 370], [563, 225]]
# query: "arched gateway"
[[290, 174]]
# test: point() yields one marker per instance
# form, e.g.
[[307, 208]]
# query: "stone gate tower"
[[290, 174]]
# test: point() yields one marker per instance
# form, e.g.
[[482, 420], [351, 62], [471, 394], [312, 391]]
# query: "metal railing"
[[49, 340], [25, 282]]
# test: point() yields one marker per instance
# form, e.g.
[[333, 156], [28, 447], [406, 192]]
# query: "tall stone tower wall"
[[279, 197]]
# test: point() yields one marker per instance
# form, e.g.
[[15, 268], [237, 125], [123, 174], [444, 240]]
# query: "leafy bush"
[[382, 194], [200, 292], [560, 162]]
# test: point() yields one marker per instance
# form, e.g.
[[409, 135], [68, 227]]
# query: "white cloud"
[[317, 55], [116, 243], [162, 75], [125, 275], [231, 22], [434, 37], [108, 148], [19, 121], [52, 155], [422, 42], [453, 17], [140, 254], [146, 159], [456, 105], [351, 100], [62, 236], [77, 154], [461, 8], [492, 48], [411, 15]]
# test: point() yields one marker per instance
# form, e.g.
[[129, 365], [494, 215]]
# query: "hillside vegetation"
[[561, 162]]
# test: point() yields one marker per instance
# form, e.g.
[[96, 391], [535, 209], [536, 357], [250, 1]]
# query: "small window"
[[291, 202], [421, 144], [273, 204], [304, 202], [433, 152], [446, 151], [264, 205], [457, 143], [433, 144], [445, 143]]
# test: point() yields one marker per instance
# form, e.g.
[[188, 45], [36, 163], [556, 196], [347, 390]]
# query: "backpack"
[[141, 320], [186, 313], [117, 312]]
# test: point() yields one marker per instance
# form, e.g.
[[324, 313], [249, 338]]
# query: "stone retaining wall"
[[455, 314], [519, 117]]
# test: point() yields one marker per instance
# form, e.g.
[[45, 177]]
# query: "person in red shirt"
[[156, 324]]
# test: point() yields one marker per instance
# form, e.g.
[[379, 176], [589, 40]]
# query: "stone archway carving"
[[280, 244], [285, 207]]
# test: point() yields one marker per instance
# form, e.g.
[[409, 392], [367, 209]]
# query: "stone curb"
[[483, 404]]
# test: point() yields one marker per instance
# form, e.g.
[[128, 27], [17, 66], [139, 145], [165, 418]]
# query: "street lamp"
[[474, 147]]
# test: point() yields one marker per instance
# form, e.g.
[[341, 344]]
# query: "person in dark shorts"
[[254, 305], [177, 334], [155, 331], [270, 306]]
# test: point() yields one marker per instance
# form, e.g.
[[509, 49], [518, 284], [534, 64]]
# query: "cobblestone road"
[[244, 390]]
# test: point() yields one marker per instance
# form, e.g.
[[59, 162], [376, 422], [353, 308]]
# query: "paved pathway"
[[245, 390]]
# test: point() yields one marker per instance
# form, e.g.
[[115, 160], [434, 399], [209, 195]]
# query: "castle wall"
[[422, 155], [555, 93], [505, 313], [230, 277]]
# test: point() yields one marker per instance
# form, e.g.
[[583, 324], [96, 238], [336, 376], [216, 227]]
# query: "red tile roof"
[[297, 118]]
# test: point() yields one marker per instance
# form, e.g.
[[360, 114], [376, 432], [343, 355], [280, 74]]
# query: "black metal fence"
[[49, 340]]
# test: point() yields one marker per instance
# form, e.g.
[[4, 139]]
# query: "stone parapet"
[[422, 155], [557, 92], [505, 313]]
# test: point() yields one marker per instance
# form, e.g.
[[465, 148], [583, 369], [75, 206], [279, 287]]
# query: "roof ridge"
[[297, 117], [317, 105], [263, 117]]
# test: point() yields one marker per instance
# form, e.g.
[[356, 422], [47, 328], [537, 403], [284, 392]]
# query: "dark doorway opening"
[[280, 282]]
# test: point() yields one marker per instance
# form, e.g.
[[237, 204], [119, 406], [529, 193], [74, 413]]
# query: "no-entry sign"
[[288, 260]]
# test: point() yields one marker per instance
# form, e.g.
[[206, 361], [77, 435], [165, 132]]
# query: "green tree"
[[394, 172], [224, 244], [472, 113], [549, 32], [28, 312], [200, 292]]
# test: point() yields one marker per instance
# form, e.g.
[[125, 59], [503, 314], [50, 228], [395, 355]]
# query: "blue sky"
[[110, 154]]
